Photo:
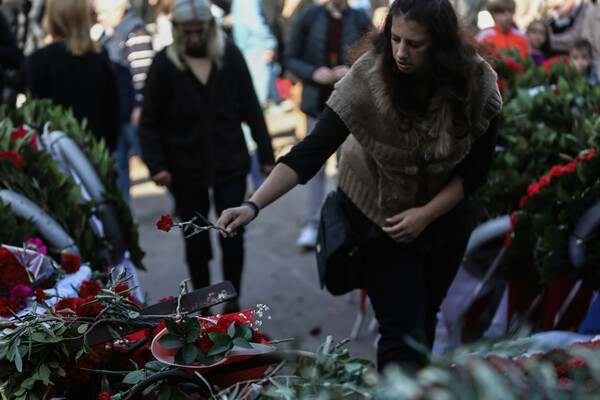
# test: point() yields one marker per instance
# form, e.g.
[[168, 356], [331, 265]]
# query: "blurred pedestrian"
[[591, 33], [566, 23], [73, 72], [580, 55], [317, 53], [539, 40], [198, 93], [503, 35], [129, 48], [417, 116]]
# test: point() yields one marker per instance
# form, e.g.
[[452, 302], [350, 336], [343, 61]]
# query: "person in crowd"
[[252, 35], [163, 29], [197, 94], [316, 53], [580, 55], [566, 23], [10, 54], [129, 48], [503, 34], [74, 72], [591, 33], [416, 116], [539, 41]]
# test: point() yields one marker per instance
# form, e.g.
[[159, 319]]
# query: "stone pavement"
[[277, 273]]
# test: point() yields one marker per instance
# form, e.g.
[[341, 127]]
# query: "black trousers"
[[198, 247], [407, 282]]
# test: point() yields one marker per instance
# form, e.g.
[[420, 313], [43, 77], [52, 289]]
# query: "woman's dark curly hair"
[[454, 69]]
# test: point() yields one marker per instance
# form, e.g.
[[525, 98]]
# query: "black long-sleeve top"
[[307, 157], [86, 83]]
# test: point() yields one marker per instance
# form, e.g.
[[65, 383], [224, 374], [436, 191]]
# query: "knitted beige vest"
[[389, 164]]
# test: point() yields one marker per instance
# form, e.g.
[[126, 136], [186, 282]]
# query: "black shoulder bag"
[[340, 258]]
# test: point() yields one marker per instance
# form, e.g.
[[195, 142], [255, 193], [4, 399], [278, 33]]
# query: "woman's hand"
[[408, 225], [232, 219]]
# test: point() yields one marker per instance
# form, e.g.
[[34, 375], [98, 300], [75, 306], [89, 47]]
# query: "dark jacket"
[[194, 131], [306, 48], [85, 83]]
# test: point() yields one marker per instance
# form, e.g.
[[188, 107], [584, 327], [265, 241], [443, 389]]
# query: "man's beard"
[[197, 52]]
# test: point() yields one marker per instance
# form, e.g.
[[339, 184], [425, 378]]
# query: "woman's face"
[[410, 45]]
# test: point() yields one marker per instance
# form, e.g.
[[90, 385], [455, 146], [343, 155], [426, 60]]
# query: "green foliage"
[[537, 130], [37, 114]]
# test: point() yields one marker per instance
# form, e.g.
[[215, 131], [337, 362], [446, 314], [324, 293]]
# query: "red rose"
[[70, 263], [523, 201], [544, 181], [533, 189], [557, 171], [165, 223], [89, 288], [17, 158]]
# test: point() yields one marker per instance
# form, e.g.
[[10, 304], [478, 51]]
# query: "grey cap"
[[191, 10]]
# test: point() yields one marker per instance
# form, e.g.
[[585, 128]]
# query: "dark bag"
[[340, 259]]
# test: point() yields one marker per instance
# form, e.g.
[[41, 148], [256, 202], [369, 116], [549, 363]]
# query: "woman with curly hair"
[[416, 118]]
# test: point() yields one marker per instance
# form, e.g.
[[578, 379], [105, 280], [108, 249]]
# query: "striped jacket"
[[129, 48]]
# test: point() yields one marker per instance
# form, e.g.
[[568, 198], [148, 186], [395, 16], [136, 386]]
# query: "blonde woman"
[[73, 72]]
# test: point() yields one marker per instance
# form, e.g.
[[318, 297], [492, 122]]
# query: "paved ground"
[[277, 273]]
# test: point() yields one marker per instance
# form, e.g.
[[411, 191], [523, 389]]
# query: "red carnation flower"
[[70, 263], [513, 220], [104, 396], [507, 240], [92, 310], [502, 86], [597, 107], [17, 158], [525, 144], [21, 132], [165, 223], [523, 201], [12, 272], [591, 154], [557, 171], [121, 288], [39, 295], [4, 307], [544, 181], [533, 189], [510, 63], [71, 303], [571, 167], [89, 288]]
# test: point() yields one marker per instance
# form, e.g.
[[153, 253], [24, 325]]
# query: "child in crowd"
[[539, 41], [503, 34], [580, 55]]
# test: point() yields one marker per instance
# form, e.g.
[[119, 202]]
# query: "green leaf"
[[231, 330], [241, 342], [174, 327], [18, 361], [192, 330], [189, 353], [165, 393], [169, 341], [135, 377], [222, 343], [82, 328], [44, 374]]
